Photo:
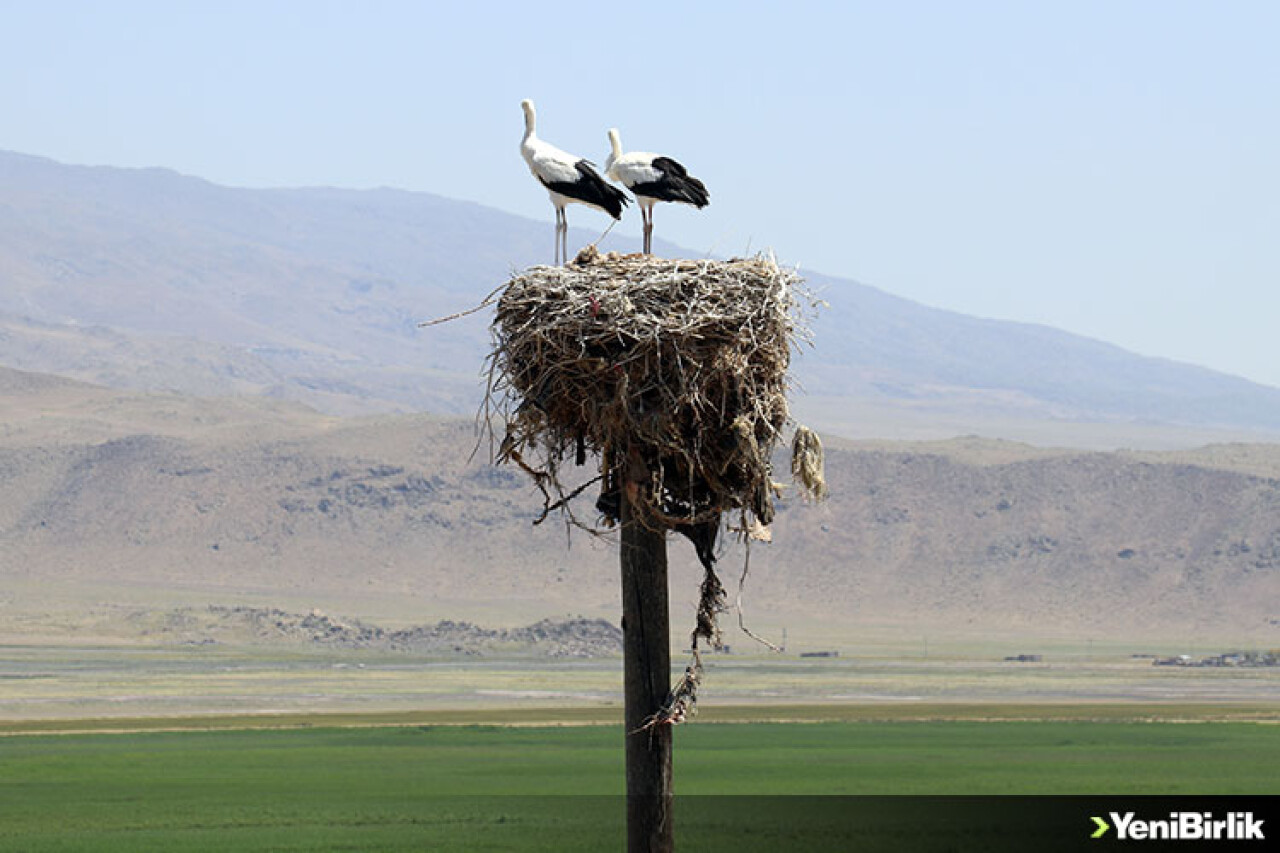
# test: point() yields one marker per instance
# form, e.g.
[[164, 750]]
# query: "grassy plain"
[[383, 784], [139, 748]]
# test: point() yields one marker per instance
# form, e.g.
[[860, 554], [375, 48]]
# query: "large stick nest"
[[673, 371]]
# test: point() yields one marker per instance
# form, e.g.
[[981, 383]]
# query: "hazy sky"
[[1110, 168]]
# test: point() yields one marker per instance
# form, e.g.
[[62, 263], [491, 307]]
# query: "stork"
[[568, 180], [652, 178]]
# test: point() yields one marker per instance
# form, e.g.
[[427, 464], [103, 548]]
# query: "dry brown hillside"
[[122, 500]]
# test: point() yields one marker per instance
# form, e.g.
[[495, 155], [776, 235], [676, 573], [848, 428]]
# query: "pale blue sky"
[[1110, 168]]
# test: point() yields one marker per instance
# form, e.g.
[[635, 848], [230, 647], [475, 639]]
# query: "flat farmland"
[[42, 682], [742, 786], [140, 748]]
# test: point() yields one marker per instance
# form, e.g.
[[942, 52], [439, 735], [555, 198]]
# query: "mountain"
[[152, 280], [119, 501]]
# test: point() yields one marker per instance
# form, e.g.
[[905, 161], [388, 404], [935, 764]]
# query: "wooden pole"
[[647, 681]]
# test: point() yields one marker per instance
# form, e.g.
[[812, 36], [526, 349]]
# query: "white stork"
[[653, 178], [567, 178]]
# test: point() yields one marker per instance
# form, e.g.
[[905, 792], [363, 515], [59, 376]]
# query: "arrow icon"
[[1102, 828]]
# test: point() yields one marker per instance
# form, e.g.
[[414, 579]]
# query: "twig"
[[737, 605], [547, 510], [488, 300]]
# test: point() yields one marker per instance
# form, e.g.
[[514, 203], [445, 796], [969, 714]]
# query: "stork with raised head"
[[568, 180], [652, 178]]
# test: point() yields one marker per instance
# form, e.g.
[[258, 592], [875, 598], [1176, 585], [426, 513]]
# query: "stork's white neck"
[[615, 142], [530, 118]]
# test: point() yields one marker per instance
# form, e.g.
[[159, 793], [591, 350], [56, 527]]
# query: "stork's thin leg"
[[564, 238], [647, 218], [561, 227]]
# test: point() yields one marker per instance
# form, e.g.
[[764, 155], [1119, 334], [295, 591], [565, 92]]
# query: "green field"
[[477, 787]]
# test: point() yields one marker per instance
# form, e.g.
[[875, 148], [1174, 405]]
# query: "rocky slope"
[[163, 502]]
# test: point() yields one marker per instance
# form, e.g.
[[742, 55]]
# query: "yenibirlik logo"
[[1182, 826]]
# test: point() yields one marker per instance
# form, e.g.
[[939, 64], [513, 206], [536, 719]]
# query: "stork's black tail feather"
[[595, 190], [591, 189], [676, 184]]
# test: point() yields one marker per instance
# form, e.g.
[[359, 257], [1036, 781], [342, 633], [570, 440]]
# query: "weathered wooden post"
[[672, 373], [646, 638]]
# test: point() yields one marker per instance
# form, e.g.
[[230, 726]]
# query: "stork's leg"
[[564, 238], [646, 216], [562, 227]]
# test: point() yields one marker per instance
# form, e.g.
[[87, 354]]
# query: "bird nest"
[[673, 371]]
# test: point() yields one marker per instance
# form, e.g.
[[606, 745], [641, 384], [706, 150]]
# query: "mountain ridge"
[[154, 280]]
